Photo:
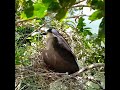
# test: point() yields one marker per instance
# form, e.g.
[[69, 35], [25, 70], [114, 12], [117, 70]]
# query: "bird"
[[58, 55]]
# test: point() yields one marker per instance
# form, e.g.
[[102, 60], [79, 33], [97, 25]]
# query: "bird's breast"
[[58, 63]]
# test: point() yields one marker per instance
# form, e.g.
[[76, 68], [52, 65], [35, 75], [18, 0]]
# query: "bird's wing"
[[62, 42], [65, 50]]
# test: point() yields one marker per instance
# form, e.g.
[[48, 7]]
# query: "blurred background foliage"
[[32, 16]]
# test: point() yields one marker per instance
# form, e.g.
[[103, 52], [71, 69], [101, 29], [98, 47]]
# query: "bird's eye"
[[43, 33], [50, 30]]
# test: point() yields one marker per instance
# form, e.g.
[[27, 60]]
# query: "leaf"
[[66, 3], [87, 32], [29, 9], [81, 23], [47, 1], [29, 38], [39, 11], [54, 7], [96, 15], [17, 62], [87, 28], [88, 2], [26, 62], [61, 14], [96, 4], [16, 5], [101, 33]]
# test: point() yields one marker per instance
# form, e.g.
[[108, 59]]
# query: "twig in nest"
[[30, 34], [20, 21], [82, 70], [88, 68], [95, 81], [79, 1]]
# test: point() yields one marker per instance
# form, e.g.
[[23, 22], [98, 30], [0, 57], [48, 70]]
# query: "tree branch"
[[95, 81], [20, 21], [76, 16], [79, 2], [80, 6], [88, 68], [95, 65], [31, 34]]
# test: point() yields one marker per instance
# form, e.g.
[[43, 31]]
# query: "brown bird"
[[58, 55]]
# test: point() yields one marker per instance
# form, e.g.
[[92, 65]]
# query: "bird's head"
[[51, 37], [51, 33], [55, 39]]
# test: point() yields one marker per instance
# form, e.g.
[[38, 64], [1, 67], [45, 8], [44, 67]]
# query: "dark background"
[[7, 46]]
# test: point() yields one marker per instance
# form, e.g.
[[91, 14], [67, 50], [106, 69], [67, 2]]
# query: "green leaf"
[[66, 3], [54, 7], [96, 15], [29, 8], [81, 24], [96, 4], [17, 62], [26, 62], [29, 11], [16, 5], [87, 32], [39, 11], [101, 33], [29, 38], [89, 2], [87, 28], [47, 1], [61, 14]]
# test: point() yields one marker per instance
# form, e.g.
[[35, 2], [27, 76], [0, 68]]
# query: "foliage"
[[89, 48]]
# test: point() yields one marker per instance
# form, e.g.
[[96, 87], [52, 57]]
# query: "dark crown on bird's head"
[[49, 30], [53, 31]]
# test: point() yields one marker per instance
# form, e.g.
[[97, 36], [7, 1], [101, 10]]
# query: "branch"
[[20, 21], [88, 68], [42, 74], [95, 81], [80, 6], [79, 2], [17, 86], [76, 16], [31, 34], [95, 65]]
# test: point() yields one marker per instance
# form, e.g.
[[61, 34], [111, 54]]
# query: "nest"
[[39, 77]]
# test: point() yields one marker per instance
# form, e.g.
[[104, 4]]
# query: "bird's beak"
[[44, 33], [47, 34]]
